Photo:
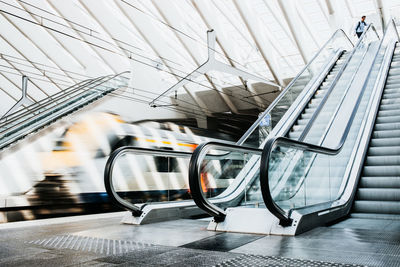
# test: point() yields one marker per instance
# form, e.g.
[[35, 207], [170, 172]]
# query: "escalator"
[[253, 196], [378, 193], [311, 86], [23, 122], [308, 172]]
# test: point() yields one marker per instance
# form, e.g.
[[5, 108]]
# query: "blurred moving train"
[[73, 171]]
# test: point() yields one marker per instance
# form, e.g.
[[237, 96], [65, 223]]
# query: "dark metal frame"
[[108, 182], [195, 179]]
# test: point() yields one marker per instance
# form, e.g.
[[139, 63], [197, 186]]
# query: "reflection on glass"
[[298, 177], [269, 120]]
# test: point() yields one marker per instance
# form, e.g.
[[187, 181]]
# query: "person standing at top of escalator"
[[361, 25]]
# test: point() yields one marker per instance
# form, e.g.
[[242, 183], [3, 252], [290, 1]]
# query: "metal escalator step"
[[379, 194], [382, 142], [390, 101], [389, 95], [306, 116], [379, 182], [392, 86], [386, 113], [302, 121], [395, 70], [386, 134], [387, 126], [388, 119], [378, 207], [393, 80], [382, 160], [391, 170]]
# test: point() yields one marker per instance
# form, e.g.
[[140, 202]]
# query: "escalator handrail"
[[293, 81], [5, 118], [333, 84], [195, 176], [194, 167], [53, 98], [272, 142], [108, 171], [47, 101], [99, 82]]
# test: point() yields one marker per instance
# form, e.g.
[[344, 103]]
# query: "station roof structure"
[[59, 43]]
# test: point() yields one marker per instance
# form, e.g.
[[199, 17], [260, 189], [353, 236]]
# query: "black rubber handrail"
[[194, 167], [271, 143], [196, 190], [195, 179], [108, 171]]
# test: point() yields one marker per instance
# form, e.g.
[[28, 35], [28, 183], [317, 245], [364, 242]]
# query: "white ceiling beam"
[[246, 16], [224, 46], [196, 100], [382, 12], [349, 8], [224, 97], [108, 65], [42, 51], [219, 41], [247, 40], [26, 58], [13, 83], [307, 24], [98, 22], [286, 7], [77, 61]]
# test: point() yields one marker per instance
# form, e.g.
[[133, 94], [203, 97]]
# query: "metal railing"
[[281, 214], [19, 124], [201, 151]]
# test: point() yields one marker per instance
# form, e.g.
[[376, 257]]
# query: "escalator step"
[[379, 207], [382, 170], [394, 94], [389, 101], [382, 160], [382, 142], [386, 134], [380, 182], [379, 194], [388, 119], [387, 126]]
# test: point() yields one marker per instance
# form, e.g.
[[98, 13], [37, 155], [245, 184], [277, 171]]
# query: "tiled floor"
[[98, 240]]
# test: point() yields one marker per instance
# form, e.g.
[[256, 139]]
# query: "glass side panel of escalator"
[[239, 171], [313, 178]]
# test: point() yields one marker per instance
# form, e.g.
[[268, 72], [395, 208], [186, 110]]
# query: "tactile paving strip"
[[257, 260], [90, 244]]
